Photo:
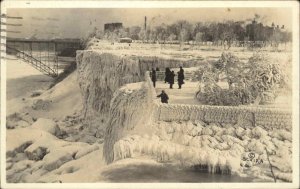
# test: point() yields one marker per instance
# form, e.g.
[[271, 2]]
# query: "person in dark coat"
[[180, 77], [171, 81], [163, 97], [153, 77], [167, 75]]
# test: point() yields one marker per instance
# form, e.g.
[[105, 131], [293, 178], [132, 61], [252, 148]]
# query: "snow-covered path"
[[185, 95]]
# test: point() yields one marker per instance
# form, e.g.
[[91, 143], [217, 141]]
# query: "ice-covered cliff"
[[99, 76]]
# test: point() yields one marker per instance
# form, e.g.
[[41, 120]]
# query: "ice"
[[189, 142], [117, 98], [47, 125], [86, 151]]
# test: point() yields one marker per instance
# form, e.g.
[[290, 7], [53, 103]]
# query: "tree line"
[[216, 32]]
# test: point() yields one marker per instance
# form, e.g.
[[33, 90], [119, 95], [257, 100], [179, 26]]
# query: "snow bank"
[[18, 120], [63, 99]]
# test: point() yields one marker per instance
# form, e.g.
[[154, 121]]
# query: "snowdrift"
[[35, 154]]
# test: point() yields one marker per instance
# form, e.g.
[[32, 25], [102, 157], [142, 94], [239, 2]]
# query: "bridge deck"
[[43, 40]]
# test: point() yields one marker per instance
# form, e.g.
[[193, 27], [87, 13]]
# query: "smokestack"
[[145, 23]]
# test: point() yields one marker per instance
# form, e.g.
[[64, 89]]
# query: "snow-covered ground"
[[48, 139], [22, 80], [186, 95], [187, 52]]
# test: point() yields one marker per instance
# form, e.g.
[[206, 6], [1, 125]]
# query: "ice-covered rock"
[[86, 151], [259, 132], [99, 76], [37, 154], [130, 111], [47, 125], [28, 145]]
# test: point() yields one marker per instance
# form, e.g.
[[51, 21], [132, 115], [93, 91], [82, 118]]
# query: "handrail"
[[38, 65]]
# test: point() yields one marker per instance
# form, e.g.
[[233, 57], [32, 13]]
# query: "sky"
[[77, 23]]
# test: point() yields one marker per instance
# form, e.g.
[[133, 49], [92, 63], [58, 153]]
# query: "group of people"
[[169, 78]]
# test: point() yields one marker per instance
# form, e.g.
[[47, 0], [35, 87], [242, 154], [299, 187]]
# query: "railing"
[[160, 75], [37, 64], [245, 115]]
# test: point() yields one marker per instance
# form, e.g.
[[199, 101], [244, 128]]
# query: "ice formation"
[[101, 73], [189, 136], [117, 95]]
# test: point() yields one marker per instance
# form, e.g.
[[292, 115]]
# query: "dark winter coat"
[[171, 79], [163, 97], [180, 77], [167, 75], [153, 75]]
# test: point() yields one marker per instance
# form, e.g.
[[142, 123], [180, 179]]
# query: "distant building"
[[125, 40], [112, 26]]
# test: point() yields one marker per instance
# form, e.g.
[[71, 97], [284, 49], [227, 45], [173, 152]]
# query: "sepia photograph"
[[136, 93]]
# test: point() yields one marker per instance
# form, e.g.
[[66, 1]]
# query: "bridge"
[[42, 54]]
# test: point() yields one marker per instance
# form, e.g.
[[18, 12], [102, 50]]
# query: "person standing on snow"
[[171, 79], [180, 77], [167, 75], [163, 97], [153, 77]]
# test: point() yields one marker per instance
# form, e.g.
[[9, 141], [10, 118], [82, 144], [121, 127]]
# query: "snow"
[[57, 153], [99, 76], [110, 89], [127, 114], [17, 68], [23, 81], [211, 146], [86, 151], [47, 125]]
